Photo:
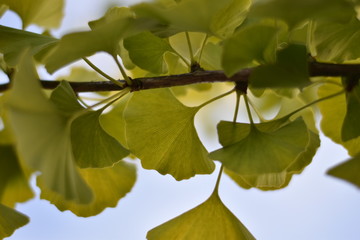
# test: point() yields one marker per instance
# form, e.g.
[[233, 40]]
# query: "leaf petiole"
[[98, 70], [216, 189], [248, 109], [122, 70], [215, 98], [191, 53], [202, 47]]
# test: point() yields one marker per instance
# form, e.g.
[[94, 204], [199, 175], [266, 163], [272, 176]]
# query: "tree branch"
[[316, 69]]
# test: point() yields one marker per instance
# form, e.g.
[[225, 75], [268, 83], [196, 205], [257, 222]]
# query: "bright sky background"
[[313, 207]]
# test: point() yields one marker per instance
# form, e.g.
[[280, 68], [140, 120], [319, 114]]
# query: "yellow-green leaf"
[[14, 41], [211, 220], [14, 185], [351, 127], [109, 185], [43, 135], [10, 220], [45, 13], [261, 148], [160, 131], [348, 171]]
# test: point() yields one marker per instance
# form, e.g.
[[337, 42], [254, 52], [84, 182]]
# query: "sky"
[[314, 206]]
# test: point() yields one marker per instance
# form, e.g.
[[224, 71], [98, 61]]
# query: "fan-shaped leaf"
[[210, 220], [42, 135], [171, 145], [108, 184], [45, 13], [351, 127], [10, 220], [14, 41]]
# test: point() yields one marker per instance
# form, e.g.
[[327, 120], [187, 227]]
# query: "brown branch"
[[315, 69]]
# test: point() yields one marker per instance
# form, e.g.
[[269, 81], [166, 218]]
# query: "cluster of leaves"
[[78, 150]]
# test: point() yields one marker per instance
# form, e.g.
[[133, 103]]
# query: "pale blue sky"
[[313, 207]]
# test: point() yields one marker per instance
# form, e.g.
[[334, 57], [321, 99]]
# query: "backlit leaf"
[[147, 51], [171, 145], [45, 13], [210, 220], [247, 48], [10, 220], [351, 127], [14, 41], [333, 113], [278, 148], [3, 9], [14, 185], [81, 74], [348, 171], [42, 135], [290, 70], [214, 17], [109, 185]]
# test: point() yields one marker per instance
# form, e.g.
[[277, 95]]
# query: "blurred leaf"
[[81, 74], [147, 51], [214, 17], [211, 220], [277, 146], [10, 220], [348, 171], [333, 113], [92, 146], [112, 14], [108, 184], [211, 56], [247, 48], [171, 145], [44, 13], [77, 45], [14, 185], [3, 9], [290, 70], [42, 135], [336, 41], [14, 41], [351, 127]]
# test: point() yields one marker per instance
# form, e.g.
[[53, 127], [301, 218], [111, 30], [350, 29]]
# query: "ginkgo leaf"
[[171, 145], [336, 41], [45, 13], [92, 146], [116, 115], [214, 17], [42, 135], [109, 185], [278, 148], [247, 48], [112, 14], [147, 51], [3, 9], [10, 220], [333, 113], [100, 149], [77, 45], [290, 70], [210, 220], [351, 127], [14, 185], [348, 171], [81, 74], [14, 41]]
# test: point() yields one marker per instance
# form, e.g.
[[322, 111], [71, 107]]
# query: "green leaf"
[[348, 171], [297, 12], [333, 113], [42, 135], [351, 128], [14, 41], [10, 220], [3, 9], [211, 220], [147, 51], [44, 13], [77, 45], [334, 41], [261, 148], [14, 185], [92, 146], [247, 48], [160, 131], [111, 15], [81, 74], [214, 17], [290, 70], [108, 184]]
